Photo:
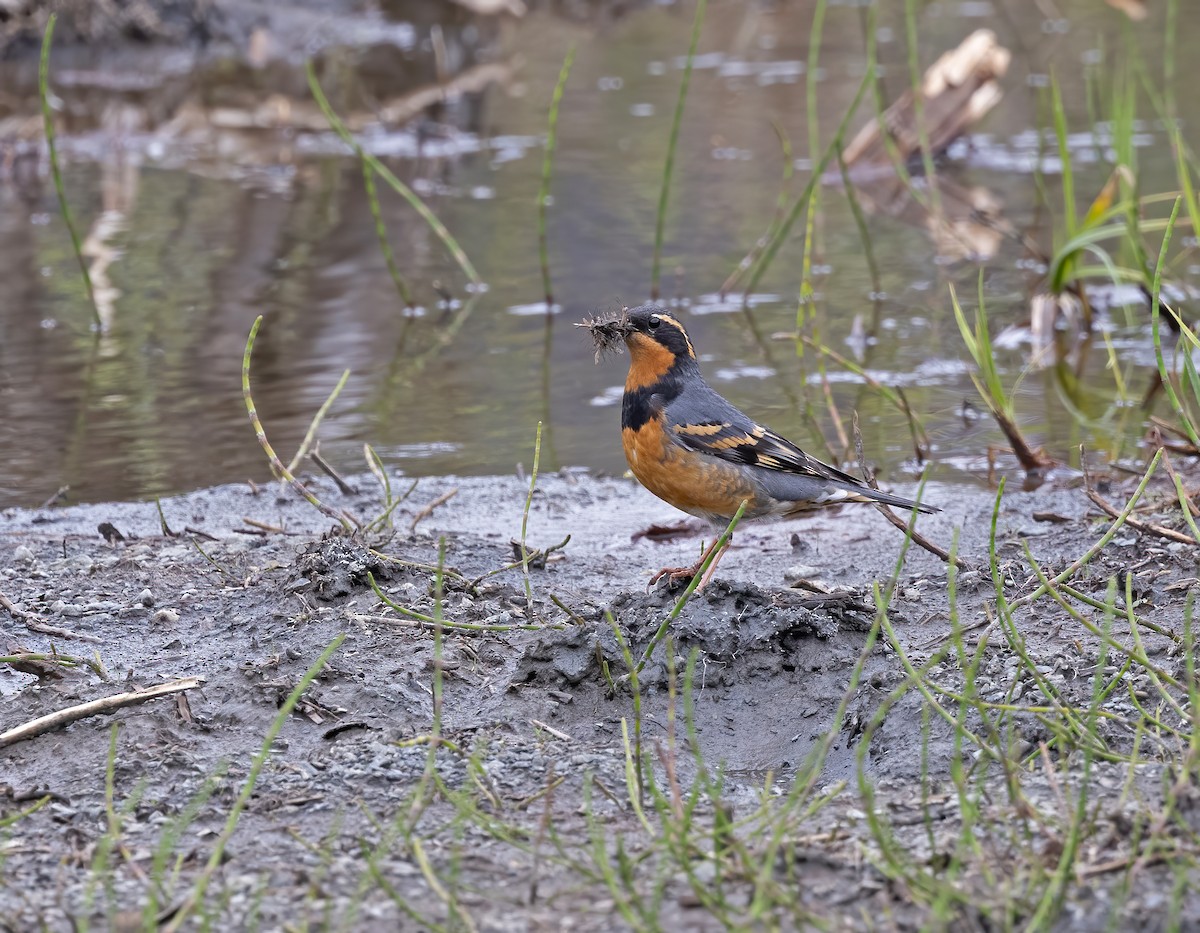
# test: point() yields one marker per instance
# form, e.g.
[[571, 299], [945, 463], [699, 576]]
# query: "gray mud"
[[252, 611]]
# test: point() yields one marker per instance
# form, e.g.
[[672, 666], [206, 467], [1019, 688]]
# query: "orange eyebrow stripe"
[[669, 319]]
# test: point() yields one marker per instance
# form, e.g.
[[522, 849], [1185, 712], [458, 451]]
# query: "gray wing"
[[702, 420]]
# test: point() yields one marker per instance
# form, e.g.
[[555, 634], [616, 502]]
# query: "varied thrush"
[[695, 450]]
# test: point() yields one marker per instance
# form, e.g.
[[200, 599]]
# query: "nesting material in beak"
[[608, 330]]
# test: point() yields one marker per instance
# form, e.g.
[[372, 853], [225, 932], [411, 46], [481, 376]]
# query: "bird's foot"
[[675, 575]]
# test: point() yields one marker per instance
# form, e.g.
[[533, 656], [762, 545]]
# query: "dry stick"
[[311, 435], [62, 491], [1096, 548], [1158, 422], [918, 538], [94, 707], [328, 470], [263, 526], [557, 733], [428, 510], [34, 622], [341, 517], [1163, 532]]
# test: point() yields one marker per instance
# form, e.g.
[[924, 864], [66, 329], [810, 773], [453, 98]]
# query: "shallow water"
[[194, 233]]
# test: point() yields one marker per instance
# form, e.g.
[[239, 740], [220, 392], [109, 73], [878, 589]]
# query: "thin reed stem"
[[335, 122], [381, 234], [63, 206], [669, 167], [547, 164], [276, 464], [722, 541], [311, 435]]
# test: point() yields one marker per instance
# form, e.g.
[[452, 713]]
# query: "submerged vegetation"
[[1049, 781]]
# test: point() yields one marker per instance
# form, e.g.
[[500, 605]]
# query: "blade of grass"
[[767, 256], [547, 162], [259, 432], [388, 176], [311, 434], [381, 234], [661, 633], [63, 206], [669, 166], [195, 899]]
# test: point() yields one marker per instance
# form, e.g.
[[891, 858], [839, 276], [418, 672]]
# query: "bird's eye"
[[653, 322]]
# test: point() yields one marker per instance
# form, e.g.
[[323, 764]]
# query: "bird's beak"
[[608, 331]]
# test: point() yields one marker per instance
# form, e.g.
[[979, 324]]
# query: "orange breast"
[[700, 485]]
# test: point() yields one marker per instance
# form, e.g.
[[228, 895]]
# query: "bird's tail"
[[867, 494], [814, 495]]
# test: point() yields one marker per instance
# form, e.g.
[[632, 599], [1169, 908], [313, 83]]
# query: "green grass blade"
[[669, 166], [336, 124], [63, 206], [547, 163]]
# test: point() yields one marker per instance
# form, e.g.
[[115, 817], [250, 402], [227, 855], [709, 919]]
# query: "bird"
[[693, 449]]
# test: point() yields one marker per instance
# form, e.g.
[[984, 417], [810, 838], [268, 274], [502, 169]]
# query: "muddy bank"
[[249, 612]]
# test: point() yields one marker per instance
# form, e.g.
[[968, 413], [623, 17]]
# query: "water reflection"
[[209, 191]]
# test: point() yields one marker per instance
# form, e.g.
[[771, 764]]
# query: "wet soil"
[[250, 612]]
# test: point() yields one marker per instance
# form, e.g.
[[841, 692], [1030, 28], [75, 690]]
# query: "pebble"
[[145, 598], [78, 563], [23, 554], [800, 572]]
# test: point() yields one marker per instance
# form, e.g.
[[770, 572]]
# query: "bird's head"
[[656, 339]]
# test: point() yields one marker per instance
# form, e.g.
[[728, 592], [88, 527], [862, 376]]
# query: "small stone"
[[145, 598], [800, 572], [23, 554], [165, 617]]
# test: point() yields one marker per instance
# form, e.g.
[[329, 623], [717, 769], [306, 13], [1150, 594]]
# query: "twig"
[[328, 470], [428, 510], [94, 707], [1138, 525], [54, 499], [262, 526], [35, 624], [557, 733], [530, 558], [886, 512]]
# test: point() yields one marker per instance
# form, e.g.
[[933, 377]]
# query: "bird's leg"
[[687, 573], [713, 566]]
